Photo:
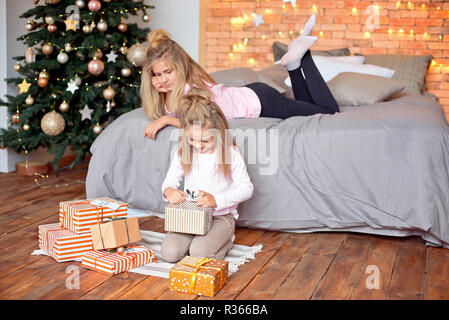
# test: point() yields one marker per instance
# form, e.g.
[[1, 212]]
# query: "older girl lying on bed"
[[169, 72]]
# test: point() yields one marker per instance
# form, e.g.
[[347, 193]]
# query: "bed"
[[380, 168]]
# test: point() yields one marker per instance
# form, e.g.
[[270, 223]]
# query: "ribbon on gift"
[[113, 218], [200, 264]]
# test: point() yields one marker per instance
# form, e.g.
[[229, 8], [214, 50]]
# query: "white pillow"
[[330, 67], [356, 59]]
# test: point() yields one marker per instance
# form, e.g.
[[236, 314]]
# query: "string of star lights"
[[258, 16]]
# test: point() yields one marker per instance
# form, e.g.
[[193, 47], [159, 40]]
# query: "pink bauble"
[[122, 27], [95, 66], [94, 5]]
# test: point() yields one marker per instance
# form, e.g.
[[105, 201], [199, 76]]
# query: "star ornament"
[[24, 86], [72, 87], [111, 56], [86, 113], [257, 20], [71, 24]]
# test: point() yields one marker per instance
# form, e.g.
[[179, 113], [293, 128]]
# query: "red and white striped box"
[[62, 244], [115, 263], [187, 217], [78, 215]]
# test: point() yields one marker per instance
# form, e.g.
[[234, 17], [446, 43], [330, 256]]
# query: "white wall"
[[178, 17]]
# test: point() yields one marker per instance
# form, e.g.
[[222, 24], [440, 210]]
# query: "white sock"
[[308, 27], [292, 59]]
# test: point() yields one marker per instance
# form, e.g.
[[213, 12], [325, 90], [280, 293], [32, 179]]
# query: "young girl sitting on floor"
[[213, 167], [169, 72]]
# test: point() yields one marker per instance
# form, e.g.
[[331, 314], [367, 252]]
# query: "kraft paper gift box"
[[78, 215], [187, 217], [115, 263], [196, 275], [62, 244], [115, 233]]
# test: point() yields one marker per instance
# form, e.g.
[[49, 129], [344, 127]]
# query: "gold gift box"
[[115, 233], [196, 275]]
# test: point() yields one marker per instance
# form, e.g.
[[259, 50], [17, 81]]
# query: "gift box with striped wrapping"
[[187, 217], [62, 244], [79, 215], [112, 263]]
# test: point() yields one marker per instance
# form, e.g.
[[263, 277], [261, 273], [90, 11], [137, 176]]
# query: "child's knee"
[[201, 249], [171, 252]]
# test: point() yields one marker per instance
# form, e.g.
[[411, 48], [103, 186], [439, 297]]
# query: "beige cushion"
[[239, 77], [356, 89], [409, 70], [279, 49]]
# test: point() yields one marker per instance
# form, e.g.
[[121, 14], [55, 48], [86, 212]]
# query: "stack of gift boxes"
[[98, 232]]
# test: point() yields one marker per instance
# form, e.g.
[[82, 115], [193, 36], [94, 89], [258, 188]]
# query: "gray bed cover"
[[381, 169]]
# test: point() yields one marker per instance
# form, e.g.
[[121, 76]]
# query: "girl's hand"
[[156, 125], [157, 85], [175, 195], [206, 199]]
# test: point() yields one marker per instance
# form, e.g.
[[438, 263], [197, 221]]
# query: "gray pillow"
[[410, 70], [356, 89], [279, 49], [239, 77], [277, 73]]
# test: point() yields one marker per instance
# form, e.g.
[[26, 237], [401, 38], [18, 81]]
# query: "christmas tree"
[[81, 71]]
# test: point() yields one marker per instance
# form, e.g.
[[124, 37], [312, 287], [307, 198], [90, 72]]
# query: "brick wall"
[[367, 27]]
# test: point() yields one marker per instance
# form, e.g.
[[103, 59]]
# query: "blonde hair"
[[161, 46], [198, 107]]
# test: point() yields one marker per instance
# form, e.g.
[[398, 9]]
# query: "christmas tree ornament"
[[52, 123], [26, 127], [29, 100], [137, 54], [71, 24], [24, 86], [52, 28], [29, 26], [54, 96], [80, 55], [123, 49], [98, 54], [77, 80], [80, 4], [87, 29], [47, 49], [64, 106], [62, 57], [102, 25], [50, 20], [72, 86], [17, 67], [125, 72], [67, 47], [30, 55], [42, 82], [86, 112], [95, 67], [15, 118], [122, 27], [111, 56], [108, 93], [146, 17], [94, 5], [97, 129], [93, 25], [44, 74]]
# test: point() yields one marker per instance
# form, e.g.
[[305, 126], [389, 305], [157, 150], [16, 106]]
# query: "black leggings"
[[312, 94]]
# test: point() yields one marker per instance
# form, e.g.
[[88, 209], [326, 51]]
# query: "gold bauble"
[[30, 55], [98, 54], [87, 29], [108, 93], [97, 129], [17, 67], [146, 17], [49, 20], [15, 118], [123, 49], [125, 72], [47, 49], [102, 25], [29, 100], [44, 74], [95, 66], [64, 106], [26, 127], [29, 26], [42, 82], [52, 123], [137, 54], [67, 47]]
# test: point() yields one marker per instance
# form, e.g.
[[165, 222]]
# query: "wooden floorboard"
[[291, 266]]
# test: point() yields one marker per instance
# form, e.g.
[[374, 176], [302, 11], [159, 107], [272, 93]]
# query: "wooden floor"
[[290, 266]]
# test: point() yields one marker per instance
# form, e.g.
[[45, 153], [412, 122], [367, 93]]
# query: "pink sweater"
[[234, 102]]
